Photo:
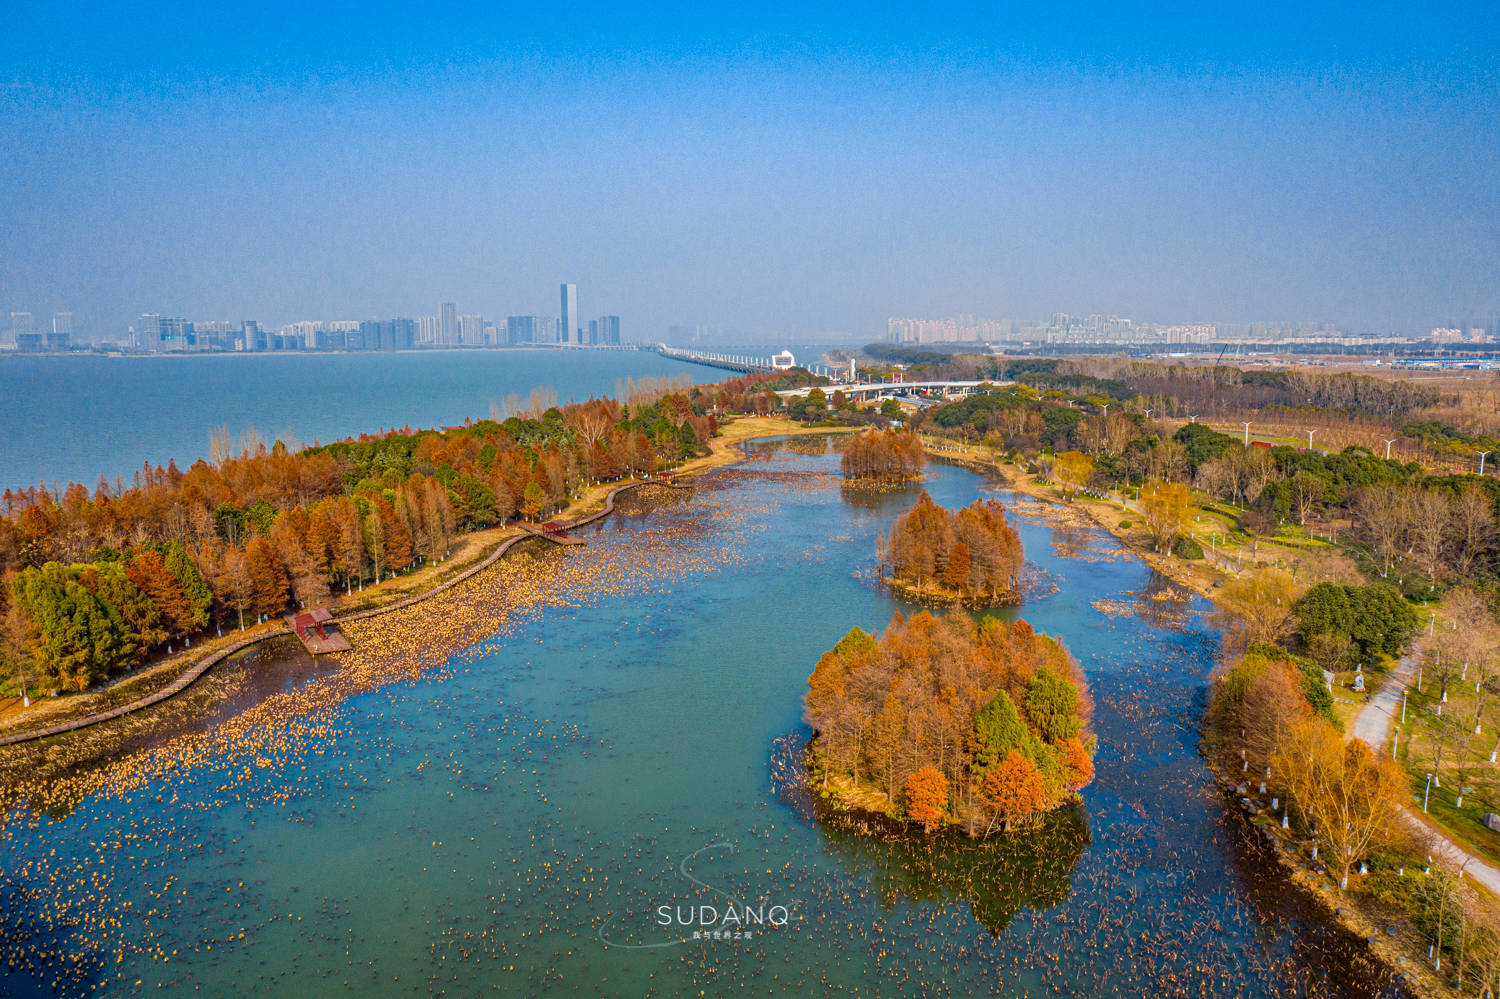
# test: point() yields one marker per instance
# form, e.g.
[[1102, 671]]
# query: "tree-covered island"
[[883, 457], [970, 556], [945, 721]]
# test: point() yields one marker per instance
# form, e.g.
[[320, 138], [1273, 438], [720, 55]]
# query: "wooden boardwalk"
[[197, 669], [318, 631], [553, 532]]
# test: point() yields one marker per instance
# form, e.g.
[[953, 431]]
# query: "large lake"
[[507, 816], [72, 418]]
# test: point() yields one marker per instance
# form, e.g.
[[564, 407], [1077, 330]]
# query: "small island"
[[971, 556], [949, 722], [883, 457]]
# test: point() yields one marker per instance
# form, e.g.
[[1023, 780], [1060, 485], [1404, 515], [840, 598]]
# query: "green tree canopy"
[[1375, 618], [1052, 706]]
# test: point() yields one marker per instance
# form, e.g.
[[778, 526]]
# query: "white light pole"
[[1247, 432], [1309, 439], [1482, 456], [1425, 790], [1388, 446]]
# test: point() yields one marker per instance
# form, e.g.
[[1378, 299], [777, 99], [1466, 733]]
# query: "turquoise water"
[[73, 418], [512, 823]]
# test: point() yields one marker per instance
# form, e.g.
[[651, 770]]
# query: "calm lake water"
[[71, 418], [511, 822]]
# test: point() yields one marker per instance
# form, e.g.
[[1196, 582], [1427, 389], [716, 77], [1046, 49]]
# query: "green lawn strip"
[[1465, 826]]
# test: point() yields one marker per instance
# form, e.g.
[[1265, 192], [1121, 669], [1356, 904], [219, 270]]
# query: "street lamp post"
[[1309, 439], [1425, 791], [1388, 446], [1247, 432], [1482, 456]]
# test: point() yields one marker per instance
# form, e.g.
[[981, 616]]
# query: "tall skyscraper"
[[520, 329], [405, 333], [569, 331], [60, 338], [447, 323], [609, 331]]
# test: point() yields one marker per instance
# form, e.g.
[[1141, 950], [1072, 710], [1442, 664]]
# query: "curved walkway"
[[203, 665], [1372, 725]]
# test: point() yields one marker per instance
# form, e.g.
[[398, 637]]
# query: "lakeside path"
[[723, 450], [1371, 726], [219, 655], [1373, 723]]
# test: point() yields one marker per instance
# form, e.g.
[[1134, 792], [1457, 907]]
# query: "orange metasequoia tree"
[[927, 797]]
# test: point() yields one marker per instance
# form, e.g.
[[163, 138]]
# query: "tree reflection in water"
[[1163, 604], [998, 876]]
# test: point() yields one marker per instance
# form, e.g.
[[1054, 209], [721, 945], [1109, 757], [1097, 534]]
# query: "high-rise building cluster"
[[25, 338], [157, 333], [1061, 329]]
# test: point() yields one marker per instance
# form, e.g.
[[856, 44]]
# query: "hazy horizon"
[[777, 173]]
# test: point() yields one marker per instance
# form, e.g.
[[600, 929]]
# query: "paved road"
[[1373, 725]]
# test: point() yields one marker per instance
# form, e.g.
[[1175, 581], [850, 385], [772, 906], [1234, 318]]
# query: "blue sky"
[[775, 169]]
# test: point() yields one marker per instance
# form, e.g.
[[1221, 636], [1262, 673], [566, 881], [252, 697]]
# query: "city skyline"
[[153, 331], [447, 327]]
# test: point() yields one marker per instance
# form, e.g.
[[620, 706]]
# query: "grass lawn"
[[1481, 779]]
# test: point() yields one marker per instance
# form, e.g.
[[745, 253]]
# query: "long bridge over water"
[[840, 376], [747, 363]]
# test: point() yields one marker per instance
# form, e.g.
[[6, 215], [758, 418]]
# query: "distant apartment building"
[[1197, 333], [383, 334], [522, 329], [252, 337], [607, 331], [215, 334], [404, 333], [165, 333], [471, 330], [963, 329], [569, 331], [447, 323], [308, 334], [21, 324]]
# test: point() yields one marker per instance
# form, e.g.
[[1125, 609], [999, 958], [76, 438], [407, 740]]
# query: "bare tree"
[[1431, 516], [1473, 518], [1307, 492]]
